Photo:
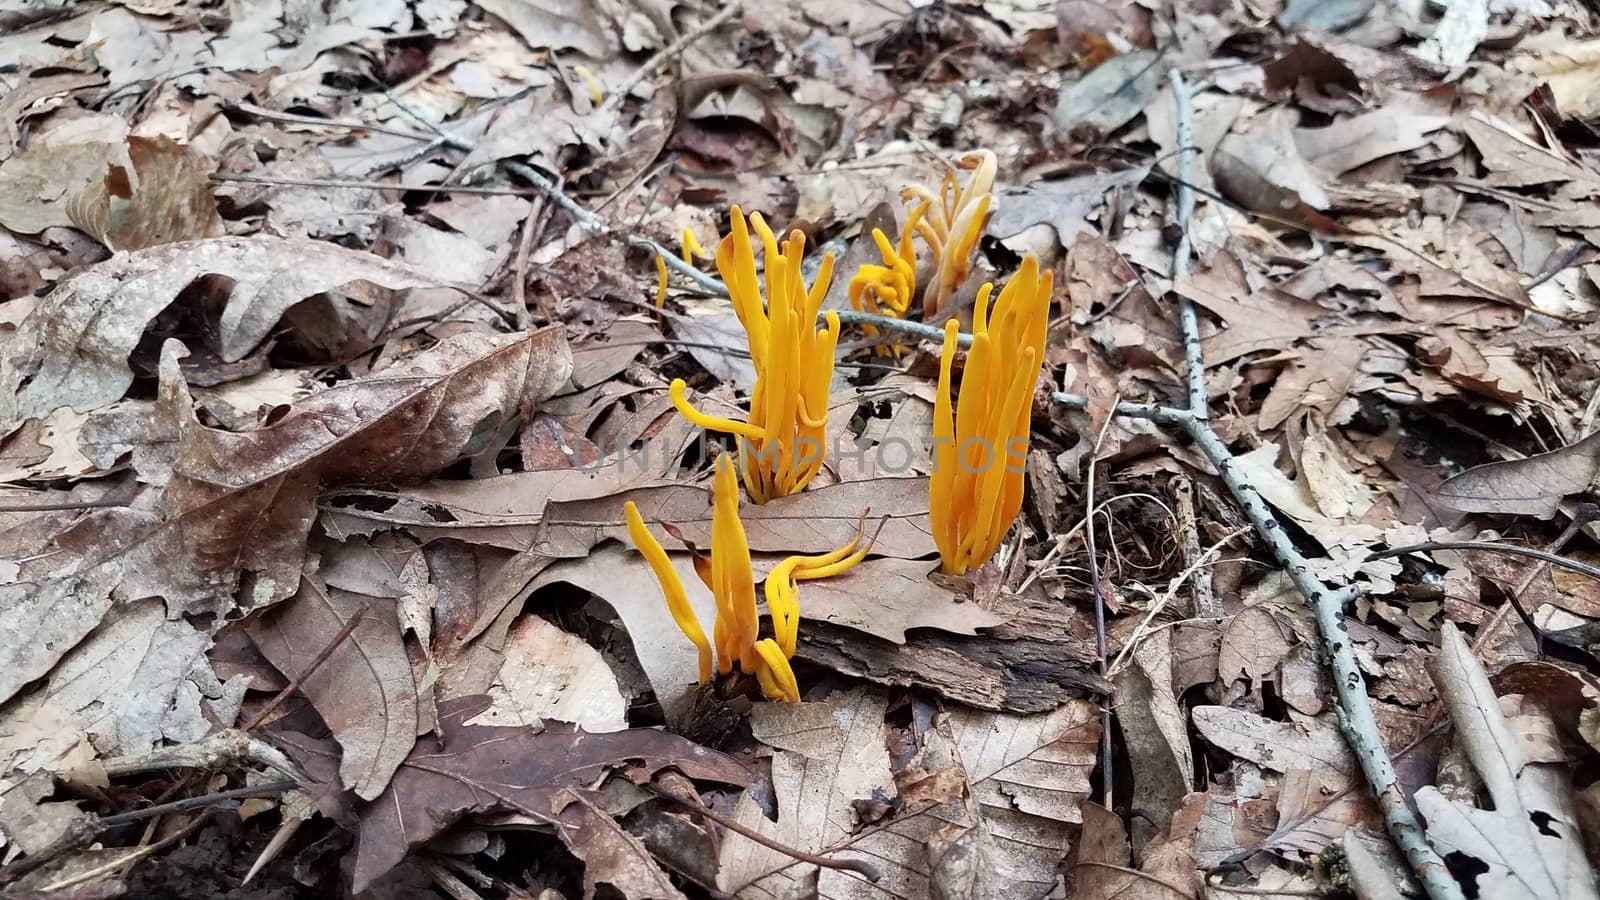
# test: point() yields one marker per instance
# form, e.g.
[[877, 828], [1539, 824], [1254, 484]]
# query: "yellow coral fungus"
[[729, 577], [781, 444], [671, 585], [596, 94], [951, 222], [661, 283], [886, 290], [981, 441], [691, 247], [783, 591]]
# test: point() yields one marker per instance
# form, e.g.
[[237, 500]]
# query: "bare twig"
[[59, 507], [1553, 559], [269, 789], [1099, 614], [1205, 598], [1188, 317], [532, 230], [861, 867], [133, 855], [272, 115], [359, 185], [1177, 891], [670, 52], [1356, 718]]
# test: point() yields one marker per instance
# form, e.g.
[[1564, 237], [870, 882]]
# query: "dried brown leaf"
[[886, 597], [73, 349], [1280, 746], [1403, 124], [1527, 845], [483, 768], [165, 196], [35, 184], [610, 853], [557, 25], [243, 501], [1111, 95], [364, 691], [1532, 486], [136, 681], [550, 673]]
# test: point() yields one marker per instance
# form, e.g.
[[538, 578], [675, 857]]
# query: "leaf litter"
[[336, 352]]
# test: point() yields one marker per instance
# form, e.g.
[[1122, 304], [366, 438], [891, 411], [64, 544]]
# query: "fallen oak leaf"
[[72, 350], [241, 502], [164, 196], [587, 509], [483, 768]]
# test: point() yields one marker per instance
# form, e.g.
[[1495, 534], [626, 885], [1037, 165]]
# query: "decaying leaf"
[[1532, 486], [134, 682], [364, 690], [164, 196], [483, 768], [73, 349], [1280, 746], [1528, 844], [1003, 836], [244, 500], [549, 673]]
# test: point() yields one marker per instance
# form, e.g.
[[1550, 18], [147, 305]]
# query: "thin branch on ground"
[[59, 507], [269, 789], [859, 866], [360, 185], [1202, 561], [1356, 717], [272, 115], [519, 267], [669, 53], [1099, 614], [1205, 597], [311, 667], [1553, 559], [1188, 316]]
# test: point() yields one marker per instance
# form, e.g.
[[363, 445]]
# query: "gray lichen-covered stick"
[[1356, 718]]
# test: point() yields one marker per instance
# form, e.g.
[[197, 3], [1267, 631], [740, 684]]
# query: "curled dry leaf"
[[136, 681], [1280, 746], [36, 183], [73, 349], [1003, 837], [164, 196], [550, 673], [245, 500]]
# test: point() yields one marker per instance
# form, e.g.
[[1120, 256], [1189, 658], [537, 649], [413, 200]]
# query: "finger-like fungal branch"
[[950, 222], [887, 289], [728, 574], [782, 442], [981, 440]]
